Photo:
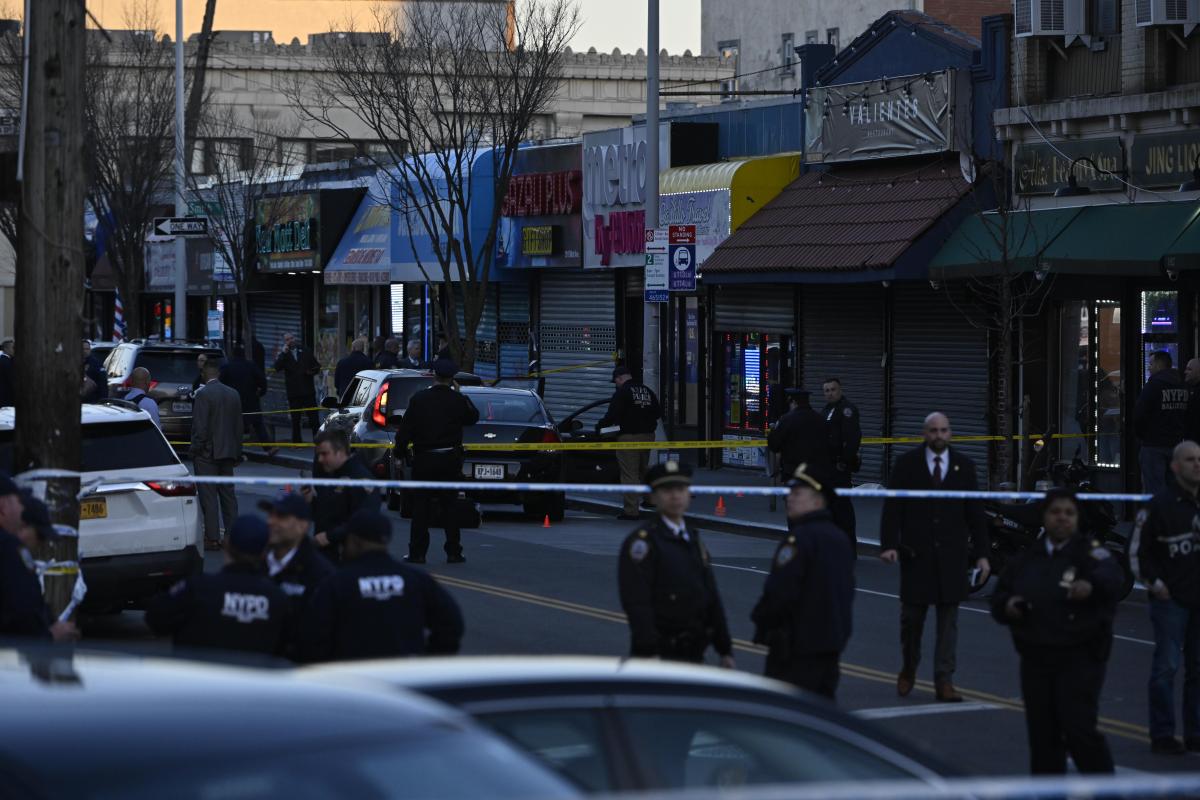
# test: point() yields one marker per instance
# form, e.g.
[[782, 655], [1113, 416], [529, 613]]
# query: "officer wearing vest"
[[238, 608], [378, 607], [1059, 597], [844, 431], [666, 581], [806, 610], [800, 437]]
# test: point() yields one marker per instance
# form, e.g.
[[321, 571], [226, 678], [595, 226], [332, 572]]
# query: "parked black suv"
[[173, 371]]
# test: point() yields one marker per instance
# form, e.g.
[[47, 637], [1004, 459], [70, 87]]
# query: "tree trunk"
[[48, 370], [191, 116]]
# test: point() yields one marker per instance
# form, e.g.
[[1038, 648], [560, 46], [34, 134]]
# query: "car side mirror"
[[573, 426], [331, 403]]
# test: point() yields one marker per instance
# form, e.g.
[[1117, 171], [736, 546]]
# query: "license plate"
[[489, 472], [96, 508], [181, 407]]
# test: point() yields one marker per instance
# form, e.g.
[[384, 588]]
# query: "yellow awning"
[[751, 182]]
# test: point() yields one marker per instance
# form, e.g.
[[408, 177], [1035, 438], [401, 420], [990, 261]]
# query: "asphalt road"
[[526, 589]]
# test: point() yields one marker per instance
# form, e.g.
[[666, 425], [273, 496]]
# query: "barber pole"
[[118, 334]]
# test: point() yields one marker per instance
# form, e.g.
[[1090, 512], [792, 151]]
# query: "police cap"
[[249, 535], [797, 392], [287, 504], [368, 525], [810, 479], [668, 473], [445, 368]]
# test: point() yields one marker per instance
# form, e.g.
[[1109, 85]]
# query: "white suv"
[[137, 537]]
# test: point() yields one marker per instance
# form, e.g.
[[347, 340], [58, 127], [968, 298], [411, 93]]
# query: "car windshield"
[[504, 407], [111, 446], [428, 767], [172, 366]]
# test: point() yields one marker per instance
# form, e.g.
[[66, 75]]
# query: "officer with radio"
[[844, 430]]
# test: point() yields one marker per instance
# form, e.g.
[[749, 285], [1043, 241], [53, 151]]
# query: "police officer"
[[666, 582], [433, 423], [377, 607], [799, 437], [23, 612], [293, 561], [1160, 420], [1059, 598], [238, 608], [845, 438], [805, 612], [634, 407], [333, 505]]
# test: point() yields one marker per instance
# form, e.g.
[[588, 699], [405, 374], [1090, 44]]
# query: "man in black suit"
[[243, 375], [934, 540], [390, 357], [299, 367], [7, 388], [351, 365]]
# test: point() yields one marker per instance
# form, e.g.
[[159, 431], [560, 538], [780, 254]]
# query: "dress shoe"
[[904, 683], [458, 559], [946, 693], [413, 560], [1167, 746]]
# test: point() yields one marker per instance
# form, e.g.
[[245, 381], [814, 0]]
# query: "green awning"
[[976, 246], [1128, 239], [1184, 252]]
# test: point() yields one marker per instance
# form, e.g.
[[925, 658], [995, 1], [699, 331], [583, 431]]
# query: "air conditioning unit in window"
[[1168, 12], [1066, 18]]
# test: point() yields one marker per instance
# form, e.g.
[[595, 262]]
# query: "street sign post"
[[181, 226], [681, 257], [656, 274]]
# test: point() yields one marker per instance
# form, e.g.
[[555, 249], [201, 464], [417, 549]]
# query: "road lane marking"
[[1115, 727], [892, 712]]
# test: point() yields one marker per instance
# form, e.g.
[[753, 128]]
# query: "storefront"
[[210, 287]]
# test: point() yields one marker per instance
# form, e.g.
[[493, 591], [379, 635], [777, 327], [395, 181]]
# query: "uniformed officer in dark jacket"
[[1165, 556], [844, 430], [433, 424], [293, 561], [799, 437], [806, 610], [238, 608], [24, 524], [1059, 597], [1160, 420], [634, 407], [666, 581], [378, 607], [333, 505]]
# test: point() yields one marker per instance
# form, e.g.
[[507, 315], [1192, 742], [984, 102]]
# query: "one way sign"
[[181, 226]]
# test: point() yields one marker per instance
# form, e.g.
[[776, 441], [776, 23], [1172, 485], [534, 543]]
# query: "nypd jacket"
[[22, 610], [1051, 619], [377, 607], [844, 429], [634, 407], [1160, 415], [1165, 545], [333, 505], [800, 438], [307, 570], [238, 608], [807, 603], [668, 589]]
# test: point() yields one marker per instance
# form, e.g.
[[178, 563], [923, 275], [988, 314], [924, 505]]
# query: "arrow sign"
[[181, 226]]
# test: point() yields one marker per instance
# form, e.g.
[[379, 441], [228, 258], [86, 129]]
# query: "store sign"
[[1039, 168], [706, 212], [1163, 159], [546, 194], [538, 240], [286, 233], [614, 195], [887, 118], [370, 243]]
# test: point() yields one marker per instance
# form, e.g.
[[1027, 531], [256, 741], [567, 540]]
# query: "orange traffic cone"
[[721, 506], [546, 522]]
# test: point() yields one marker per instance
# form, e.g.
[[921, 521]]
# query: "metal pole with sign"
[[651, 310], [179, 322]]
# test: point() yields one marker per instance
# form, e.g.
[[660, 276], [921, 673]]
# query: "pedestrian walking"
[[1160, 420], [844, 429], [299, 367], [390, 357], [238, 608], [934, 540], [635, 408], [666, 582], [7, 386], [805, 613], [412, 359], [433, 424], [332, 506], [799, 437], [95, 381], [216, 448], [349, 366], [377, 607], [244, 377], [1058, 598], [1165, 557], [139, 383]]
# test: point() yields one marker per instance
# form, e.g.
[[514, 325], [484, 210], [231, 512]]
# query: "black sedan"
[[94, 726]]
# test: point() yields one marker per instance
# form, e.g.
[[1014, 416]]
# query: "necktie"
[[937, 471]]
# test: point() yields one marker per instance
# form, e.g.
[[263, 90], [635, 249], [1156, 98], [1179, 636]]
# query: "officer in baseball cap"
[[23, 610], [377, 607], [635, 408], [666, 582], [236, 609], [293, 561]]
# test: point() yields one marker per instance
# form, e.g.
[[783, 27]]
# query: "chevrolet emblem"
[[489, 436]]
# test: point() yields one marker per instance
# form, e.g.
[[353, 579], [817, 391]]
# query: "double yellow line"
[[1114, 727]]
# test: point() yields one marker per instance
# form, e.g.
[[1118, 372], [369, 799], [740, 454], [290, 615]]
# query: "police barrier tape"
[[94, 480]]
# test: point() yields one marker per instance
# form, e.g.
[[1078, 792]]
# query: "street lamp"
[[1073, 189], [1194, 184]]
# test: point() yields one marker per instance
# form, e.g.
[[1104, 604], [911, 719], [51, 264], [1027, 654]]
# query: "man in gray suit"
[[216, 448]]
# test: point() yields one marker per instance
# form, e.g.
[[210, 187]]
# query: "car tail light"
[[551, 437], [378, 413], [173, 488]]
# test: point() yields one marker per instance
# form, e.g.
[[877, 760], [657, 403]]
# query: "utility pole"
[[652, 312], [179, 323], [50, 273]]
